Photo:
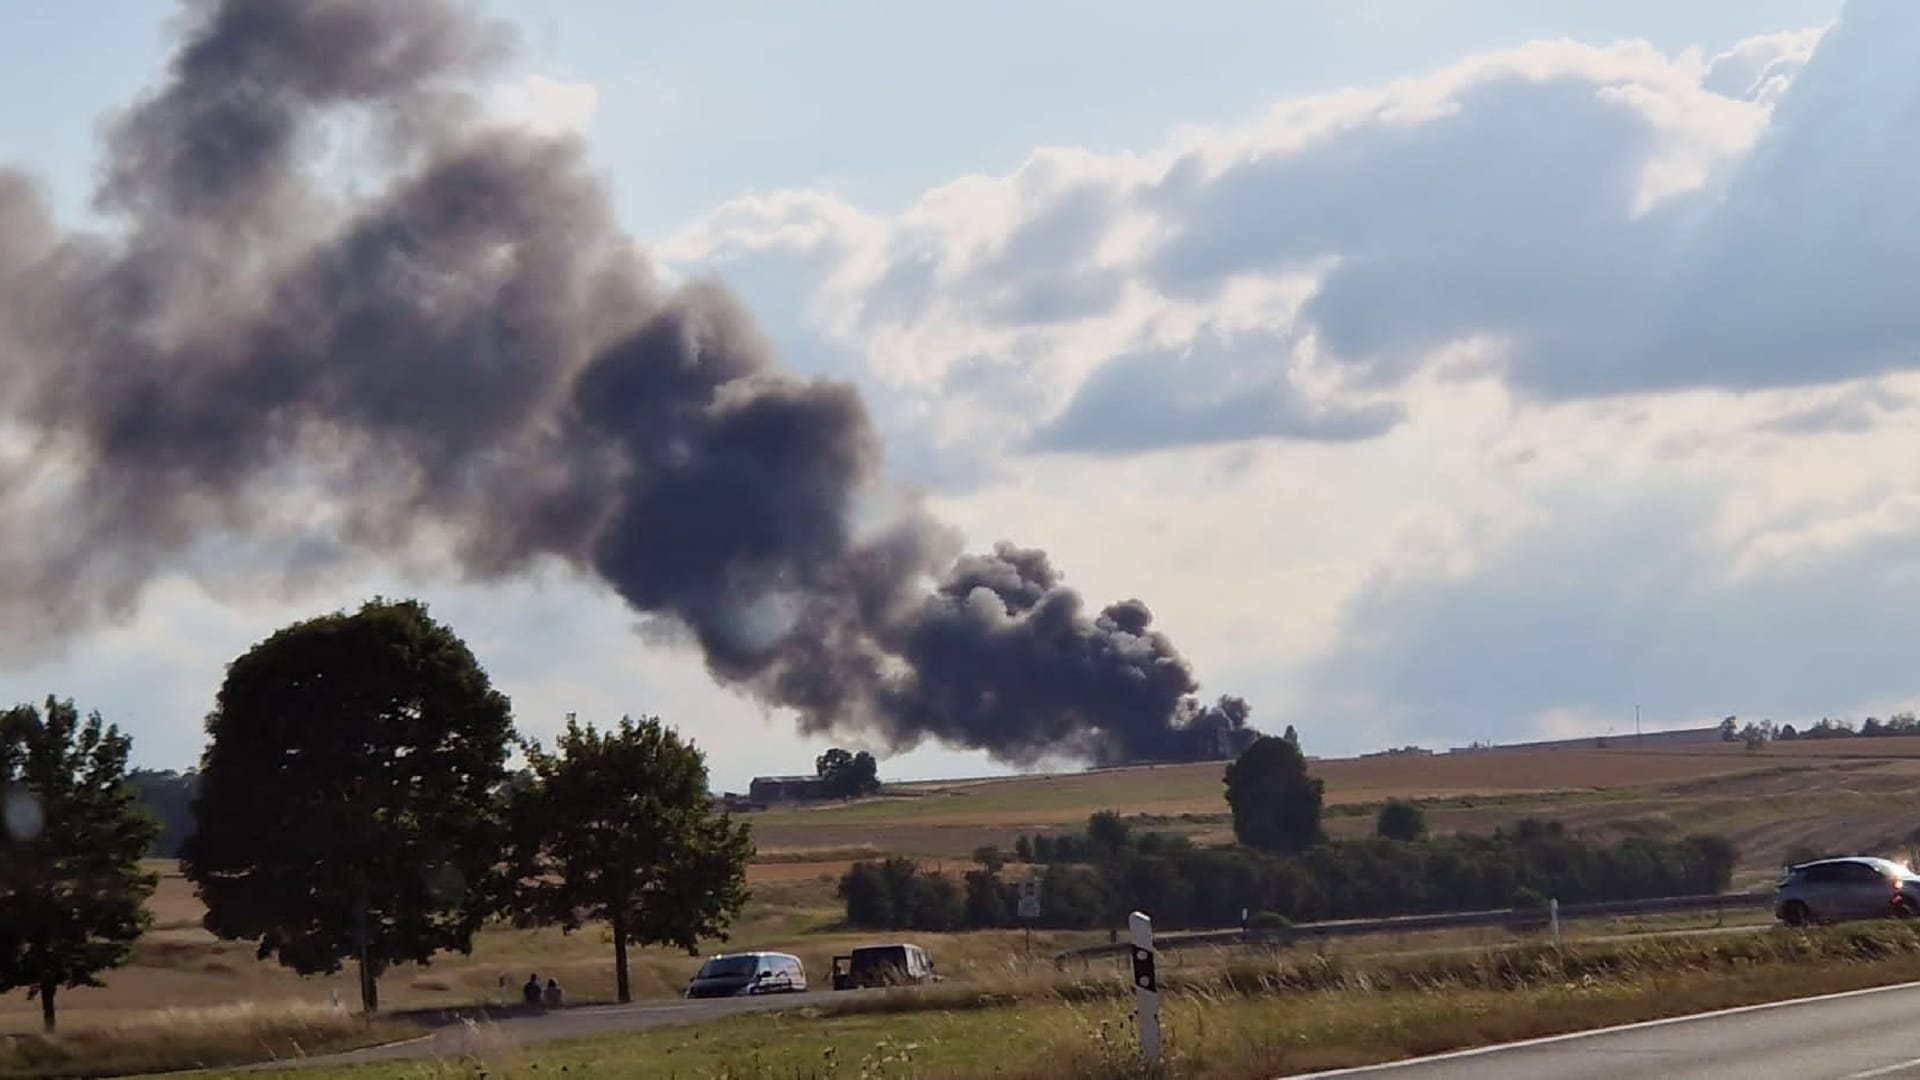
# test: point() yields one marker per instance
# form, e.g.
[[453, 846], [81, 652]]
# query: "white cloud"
[[1513, 198], [1760, 68], [548, 105]]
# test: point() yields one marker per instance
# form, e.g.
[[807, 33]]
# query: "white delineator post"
[[1146, 985], [1553, 912]]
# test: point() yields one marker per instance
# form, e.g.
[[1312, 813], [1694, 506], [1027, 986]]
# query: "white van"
[[748, 974]]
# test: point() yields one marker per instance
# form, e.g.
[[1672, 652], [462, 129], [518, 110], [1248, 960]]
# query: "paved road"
[[1864, 1035], [458, 1037]]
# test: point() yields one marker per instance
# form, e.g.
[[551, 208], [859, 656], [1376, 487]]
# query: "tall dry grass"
[[824, 853], [194, 1038], [1246, 1018]]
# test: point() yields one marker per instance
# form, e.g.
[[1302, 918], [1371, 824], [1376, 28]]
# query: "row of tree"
[[168, 797], [1108, 834], [1283, 865], [354, 803], [1754, 734], [1183, 885]]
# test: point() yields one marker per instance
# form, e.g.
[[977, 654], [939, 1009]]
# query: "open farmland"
[[1820, 794], [1853, 795]]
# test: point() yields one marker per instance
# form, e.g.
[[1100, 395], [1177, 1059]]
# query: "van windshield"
[[722, 967]]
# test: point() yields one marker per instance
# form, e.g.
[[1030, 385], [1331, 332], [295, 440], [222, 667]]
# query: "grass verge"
[[1251, 1020], [175, 1039]]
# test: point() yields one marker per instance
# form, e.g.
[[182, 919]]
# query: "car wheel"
[[1903, 908], [1795, 914]]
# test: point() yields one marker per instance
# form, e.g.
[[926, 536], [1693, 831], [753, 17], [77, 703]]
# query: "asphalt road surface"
[[457, 1037], [1864, 1035]]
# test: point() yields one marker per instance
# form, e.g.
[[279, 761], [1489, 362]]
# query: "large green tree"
[[619, 827], [847, 775], [349, 797], [1276, 805], [72, 894]]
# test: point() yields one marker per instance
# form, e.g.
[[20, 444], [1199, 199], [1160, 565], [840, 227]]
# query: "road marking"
[[1479, 1051], [1885, 1070]]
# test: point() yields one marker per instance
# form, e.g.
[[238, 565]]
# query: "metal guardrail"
[[1402, 924]]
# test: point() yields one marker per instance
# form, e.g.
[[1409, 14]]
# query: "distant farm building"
[[1678, 737], [1401, 751], [771, 789]]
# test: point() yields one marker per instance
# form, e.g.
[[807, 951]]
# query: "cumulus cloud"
[[1803, 273], [1220, 388], [1853, 409], [1608, 219], [1614, 601], [1760, 68]]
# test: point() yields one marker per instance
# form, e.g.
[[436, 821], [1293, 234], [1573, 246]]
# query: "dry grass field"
[[1854, 796], [1818, 794]]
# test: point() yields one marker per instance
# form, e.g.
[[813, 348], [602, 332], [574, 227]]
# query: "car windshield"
[[1891, 868], [722, 967]]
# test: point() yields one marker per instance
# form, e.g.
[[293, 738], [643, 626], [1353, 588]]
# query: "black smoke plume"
[[476, 359]]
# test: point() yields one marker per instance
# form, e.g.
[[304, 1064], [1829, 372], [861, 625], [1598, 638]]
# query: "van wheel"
[[1795, 914]]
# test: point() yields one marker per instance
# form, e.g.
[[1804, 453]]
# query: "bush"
[[1401, 819], [898, 895], [1269, 920]]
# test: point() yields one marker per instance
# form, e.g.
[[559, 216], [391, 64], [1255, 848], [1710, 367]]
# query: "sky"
[[1436, 373]]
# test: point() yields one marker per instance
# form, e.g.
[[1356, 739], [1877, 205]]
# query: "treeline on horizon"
[[1281, 867], [1187, 886], [1898, 724], [168, 798]]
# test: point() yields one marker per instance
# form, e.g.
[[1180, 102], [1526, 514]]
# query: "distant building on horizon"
[[1401, 751], [771, 789], [1674, 737]]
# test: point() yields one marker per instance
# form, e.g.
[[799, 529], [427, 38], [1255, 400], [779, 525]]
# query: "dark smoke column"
[[476, 363]]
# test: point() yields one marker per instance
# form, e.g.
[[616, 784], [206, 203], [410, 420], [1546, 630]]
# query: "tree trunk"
[[369, 983], [620, 984], [47, 990]]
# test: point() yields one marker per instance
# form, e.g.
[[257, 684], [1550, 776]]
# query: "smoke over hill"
[[476, 355]]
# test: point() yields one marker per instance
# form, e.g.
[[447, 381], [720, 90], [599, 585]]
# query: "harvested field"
[[1067, 798]]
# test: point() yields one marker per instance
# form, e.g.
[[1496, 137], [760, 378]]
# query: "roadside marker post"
[[1146, 985], [1030, 907], [1553, 913]]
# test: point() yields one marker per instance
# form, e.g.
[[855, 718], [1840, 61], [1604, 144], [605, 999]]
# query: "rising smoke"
[[477, 355]]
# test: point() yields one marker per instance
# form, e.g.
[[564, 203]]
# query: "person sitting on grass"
[[556, 997], [531, 991]]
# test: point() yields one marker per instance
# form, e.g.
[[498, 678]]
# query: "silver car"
[[1854, 887]]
